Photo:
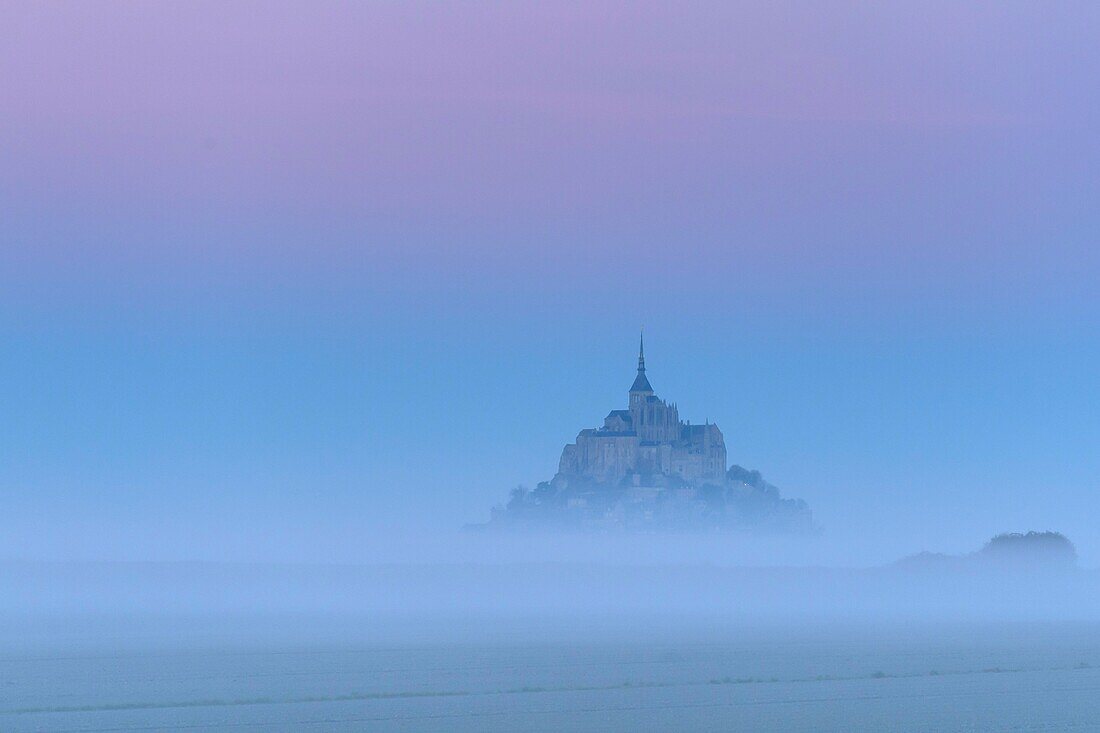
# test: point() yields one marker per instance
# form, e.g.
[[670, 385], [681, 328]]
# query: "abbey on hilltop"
[[646, 444], [647, 469]]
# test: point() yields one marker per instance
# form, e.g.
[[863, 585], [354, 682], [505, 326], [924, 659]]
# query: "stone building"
[[646, 470], [645, 445]]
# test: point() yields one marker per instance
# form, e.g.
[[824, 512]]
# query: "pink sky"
[[384, 135]]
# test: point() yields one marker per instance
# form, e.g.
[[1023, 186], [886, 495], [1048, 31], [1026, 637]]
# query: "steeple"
[[641, 383]]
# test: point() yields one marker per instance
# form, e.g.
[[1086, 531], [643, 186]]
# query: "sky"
[[322, 281]]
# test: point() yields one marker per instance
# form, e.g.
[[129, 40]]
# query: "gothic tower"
[[640, 390]]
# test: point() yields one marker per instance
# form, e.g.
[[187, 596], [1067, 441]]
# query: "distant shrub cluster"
[[1034, 550], [1031, 546]]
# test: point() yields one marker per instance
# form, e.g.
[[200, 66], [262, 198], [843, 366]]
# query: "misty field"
[[296, 674]]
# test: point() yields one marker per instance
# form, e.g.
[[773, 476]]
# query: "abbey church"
[[645, 444]]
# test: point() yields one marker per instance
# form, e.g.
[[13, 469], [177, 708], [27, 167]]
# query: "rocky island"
[[646, 469]]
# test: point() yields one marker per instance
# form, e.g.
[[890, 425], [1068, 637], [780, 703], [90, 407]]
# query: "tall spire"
[[641, 383]]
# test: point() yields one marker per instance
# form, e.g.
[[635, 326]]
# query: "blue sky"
[[271, 292]]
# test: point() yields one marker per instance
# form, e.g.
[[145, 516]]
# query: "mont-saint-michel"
[[646, 469]]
